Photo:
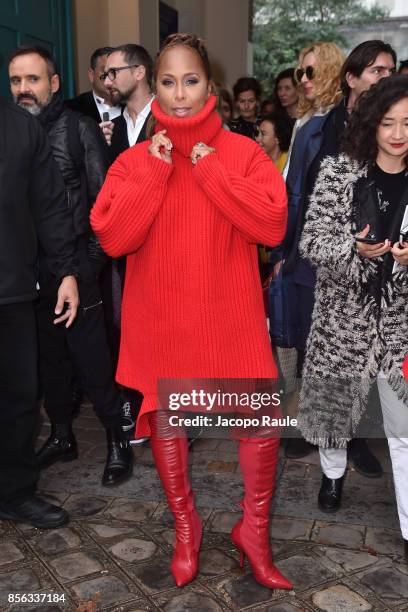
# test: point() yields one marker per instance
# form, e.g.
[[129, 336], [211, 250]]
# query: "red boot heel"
[[263, 570], [241, 558], [258, 459]]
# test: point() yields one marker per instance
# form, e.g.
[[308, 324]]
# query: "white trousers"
[[395, 416]]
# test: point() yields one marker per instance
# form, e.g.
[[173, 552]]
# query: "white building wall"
[[397, 8]]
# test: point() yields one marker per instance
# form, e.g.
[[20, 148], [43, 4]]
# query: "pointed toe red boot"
[[171, 458], [258, 459]]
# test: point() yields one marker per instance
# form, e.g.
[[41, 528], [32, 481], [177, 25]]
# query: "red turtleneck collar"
[[185, 133]]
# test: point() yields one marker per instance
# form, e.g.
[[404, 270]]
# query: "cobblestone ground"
[[119, 541]]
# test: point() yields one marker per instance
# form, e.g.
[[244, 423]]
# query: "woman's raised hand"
[[199, 151], [371, 250], [161, 147]]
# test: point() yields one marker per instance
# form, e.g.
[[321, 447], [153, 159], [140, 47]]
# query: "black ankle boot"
[[406, 550], [363, 459], [35, 511], [119, 462], [60, 446], [329, 499]]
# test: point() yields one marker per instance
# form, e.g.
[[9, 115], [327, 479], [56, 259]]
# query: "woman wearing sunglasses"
[[356, 237], [318, 77]]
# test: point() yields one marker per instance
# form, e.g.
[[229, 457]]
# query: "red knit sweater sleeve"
[[129, 200], [256, 204]]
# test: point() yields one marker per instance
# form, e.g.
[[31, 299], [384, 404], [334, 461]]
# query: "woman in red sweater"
[[188, 208]]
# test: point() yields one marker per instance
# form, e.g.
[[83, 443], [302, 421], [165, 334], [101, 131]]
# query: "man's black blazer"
[[86, 105], [120, 141], [33, 207]]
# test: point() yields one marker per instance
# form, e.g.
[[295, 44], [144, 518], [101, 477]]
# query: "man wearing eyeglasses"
[[128, 78], [97, 102]]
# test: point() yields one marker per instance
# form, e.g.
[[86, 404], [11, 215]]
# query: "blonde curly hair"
[[329, 60]]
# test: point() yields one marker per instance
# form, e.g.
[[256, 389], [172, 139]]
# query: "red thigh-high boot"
[[171, 457], [258, 459]]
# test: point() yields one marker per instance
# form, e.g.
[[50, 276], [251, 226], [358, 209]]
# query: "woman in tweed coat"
[[359, 331]]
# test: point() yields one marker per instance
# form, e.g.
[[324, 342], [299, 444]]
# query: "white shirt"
[[114, 111], [134, 129]]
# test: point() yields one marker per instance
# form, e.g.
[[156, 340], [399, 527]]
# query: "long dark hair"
[[361, 57], [360, 137]]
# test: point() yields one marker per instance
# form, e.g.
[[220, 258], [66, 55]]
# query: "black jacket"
[[243, 127], [32, 207], [332, 135], [120, 141], [81, 154], [86, 105]]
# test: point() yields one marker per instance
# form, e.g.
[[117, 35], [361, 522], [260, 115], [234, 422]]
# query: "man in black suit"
[[128, 79], [80, 354], [97, 101], [33, 213]]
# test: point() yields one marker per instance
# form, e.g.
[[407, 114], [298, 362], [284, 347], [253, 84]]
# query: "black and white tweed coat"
[[352, 336]]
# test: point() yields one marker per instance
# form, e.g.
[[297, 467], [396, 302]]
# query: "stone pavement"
[[119, 541]]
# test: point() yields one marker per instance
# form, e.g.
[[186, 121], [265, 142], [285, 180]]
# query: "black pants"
[[112, 299], [79, 353], [18, 401]]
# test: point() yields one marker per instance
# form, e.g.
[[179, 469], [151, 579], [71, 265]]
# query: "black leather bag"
[[365, 210]]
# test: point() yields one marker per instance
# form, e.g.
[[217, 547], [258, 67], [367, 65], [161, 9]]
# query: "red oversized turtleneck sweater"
[[192, 304]]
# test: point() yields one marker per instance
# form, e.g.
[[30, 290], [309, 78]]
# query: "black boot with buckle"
[[329, 499], [119, 462], [60, 446]]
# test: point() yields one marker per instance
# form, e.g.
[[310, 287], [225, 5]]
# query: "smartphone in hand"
[[368, 240]]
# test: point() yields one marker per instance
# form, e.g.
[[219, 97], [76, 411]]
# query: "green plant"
[[283, 27]]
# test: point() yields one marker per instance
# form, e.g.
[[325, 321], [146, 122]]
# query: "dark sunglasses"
[[308, 71], [112, 72]]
